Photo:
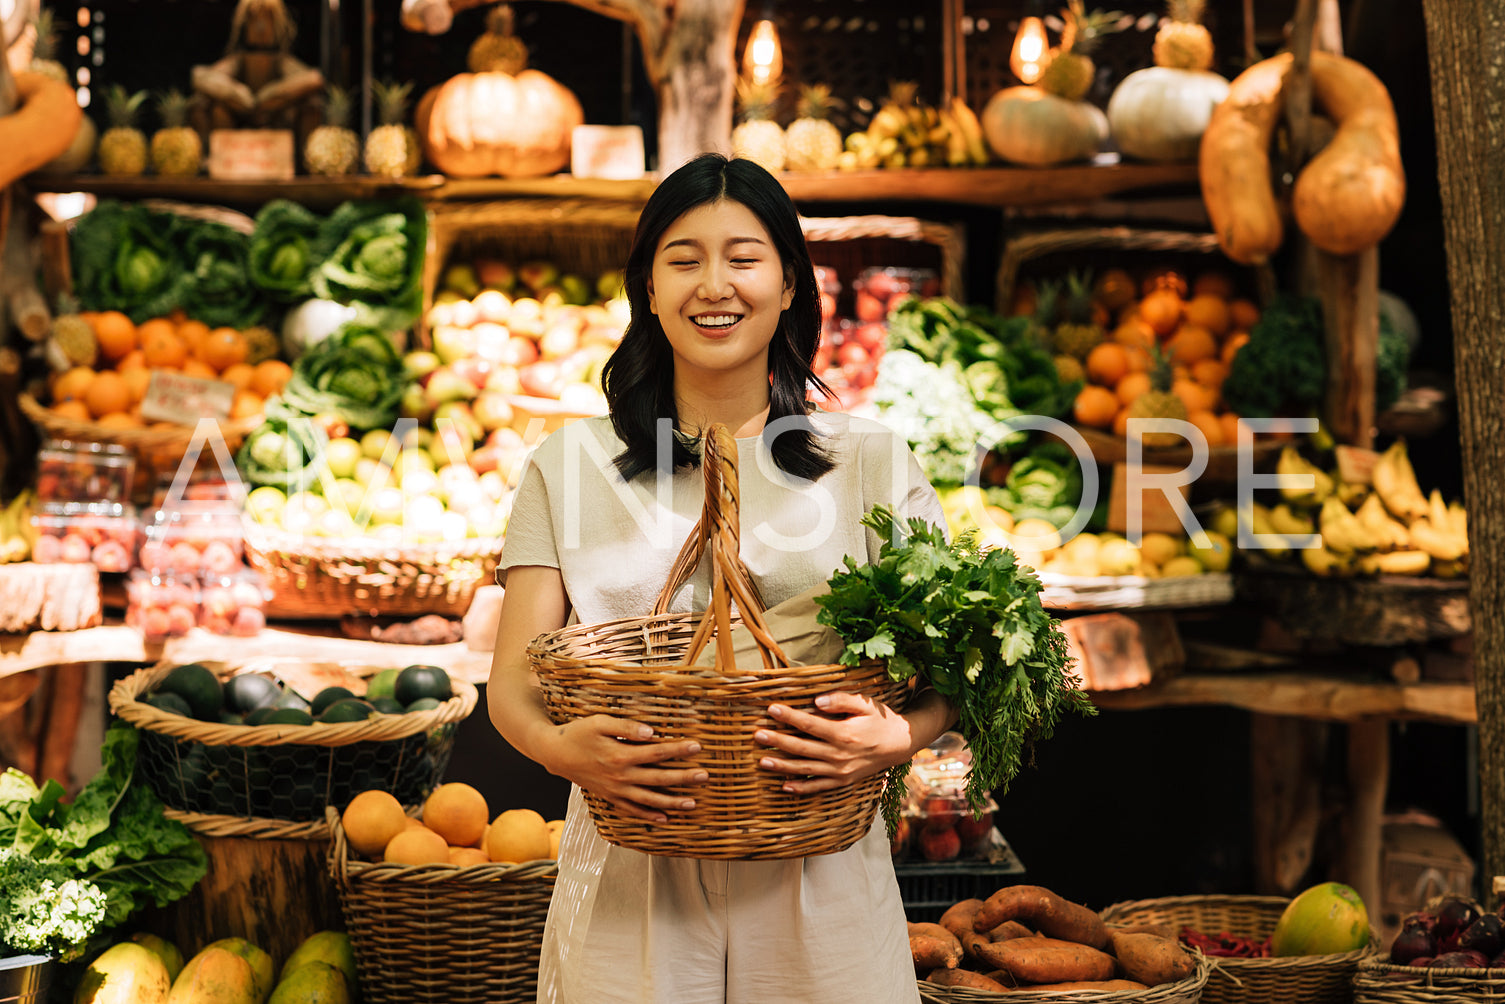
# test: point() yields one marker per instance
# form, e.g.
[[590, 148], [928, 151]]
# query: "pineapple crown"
[[1078, 305], [756, 99], [392, 100], [1162, 374], [336, 106], [122, 106], [1047, 301], [67, 303], [172, 106], [817, 102], [1083, 31]]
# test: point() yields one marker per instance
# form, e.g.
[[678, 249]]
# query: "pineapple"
[[498, 50], [811, 141], [1182, 42], [122, 149], [333, 148], [72, 336], [759, 137], [1078, 333], [177, 150], [392, 148], [1070, 72], [1159, 402], [44, 49]]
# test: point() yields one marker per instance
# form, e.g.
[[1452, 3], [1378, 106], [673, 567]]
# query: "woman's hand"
[[852, 738], [613, 758]]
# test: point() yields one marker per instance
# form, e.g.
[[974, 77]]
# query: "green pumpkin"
[[1027, 125]]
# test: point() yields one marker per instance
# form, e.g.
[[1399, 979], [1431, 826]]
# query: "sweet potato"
[[930, 952], [1044, 911], [964, 978], [972, 943], [1167, 931], [958, 917], [1048, 960], [1151, 960], [1103, 985], [1009, 930]]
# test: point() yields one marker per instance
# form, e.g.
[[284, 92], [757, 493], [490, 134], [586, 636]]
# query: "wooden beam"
[[1468, 88], [1307, 695]]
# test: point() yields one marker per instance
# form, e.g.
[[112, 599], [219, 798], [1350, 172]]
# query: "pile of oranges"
[[1199, 326], [456, 828], [110, 393]]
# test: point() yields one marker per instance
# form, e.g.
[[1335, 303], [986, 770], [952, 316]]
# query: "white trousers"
[[640, 929]]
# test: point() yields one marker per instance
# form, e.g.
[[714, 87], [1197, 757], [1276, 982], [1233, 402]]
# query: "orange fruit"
[[246, 404], [1209, 373], [137, 378], [457, 812], [238, 375], [1194, 395], [120, 420], [73, 409], [1231, 347], [1134, 331], [106, 393], [518, 835], [270, 376], [1229, 421], [1161, 310], [222, 348], [1210, 426], [467, 856], [201, 370], [1242, 314], [1213, 283], [72, 384], [193, 333], [1132, 386], [1114, 289], [418, 846], [116, 334], [371, 820], [1191, 344], [1210, 312], [1121, 423], [134, 360], [1107, 363], [1164, 278], [1095, 406], [556, 836], [413, 824], [161, 348]]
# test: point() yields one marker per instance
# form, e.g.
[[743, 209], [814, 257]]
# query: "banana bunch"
[[16, 532], [905, 132], [1388, 526]]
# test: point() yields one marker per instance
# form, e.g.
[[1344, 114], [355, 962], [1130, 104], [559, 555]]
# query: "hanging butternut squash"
[[41, 127]]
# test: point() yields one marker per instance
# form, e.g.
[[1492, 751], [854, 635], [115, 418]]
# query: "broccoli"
[[1283, 368], [43, 911]]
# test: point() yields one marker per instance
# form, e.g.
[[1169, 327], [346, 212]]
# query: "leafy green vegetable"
[[279, 452], [930, 406], [284, 248], [1283, 367], [355, 373], [374, 255], [113, 835], [45, 911], [970, 624], [1391, 364], [218, 291], [127, 257]]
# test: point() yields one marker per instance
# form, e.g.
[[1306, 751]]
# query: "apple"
[[374, 443], [459, 414], [541, 379], [453, 342], [851, 353], [474, 369], [349, 493], [974, 831], [386, 506], [463, 315], [414, 404], [454, 526], [827, 306], [443, 310], [336, 523], [518, 352], [373, 474], [559, 340], [496, 274], [872, 336], [870, 307], [491, 339], [607, 335], [420, 363], [492, 410], [462, 279], [537, 274], [341, 456], [503, 380], [506, 439], [576, 288], [526, 319], [265, 504], [610, 283], [485, 460], [419, 481], [491, 305], [445, 385], [493, 483], [332, 425]]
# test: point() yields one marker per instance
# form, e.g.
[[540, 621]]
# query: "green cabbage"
[[126, 257], [218, 291], [355, 373], [284, 247], [374, 256]]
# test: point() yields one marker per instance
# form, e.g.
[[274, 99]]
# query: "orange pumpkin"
[[475, 125]]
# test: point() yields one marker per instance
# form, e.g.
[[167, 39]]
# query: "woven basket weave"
[[1380, 982], [442, 933], [642, 669], [1297, 979], [1187, 991]]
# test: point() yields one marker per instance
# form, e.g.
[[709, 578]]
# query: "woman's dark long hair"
[[638, 379]]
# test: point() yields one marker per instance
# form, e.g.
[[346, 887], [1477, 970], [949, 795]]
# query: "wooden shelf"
[[995, 187], [1305, 695]]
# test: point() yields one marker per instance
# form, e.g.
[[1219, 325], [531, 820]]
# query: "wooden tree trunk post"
[[1468, 88], [699, 77]]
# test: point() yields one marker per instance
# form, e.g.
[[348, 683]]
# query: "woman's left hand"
[[853, 737]]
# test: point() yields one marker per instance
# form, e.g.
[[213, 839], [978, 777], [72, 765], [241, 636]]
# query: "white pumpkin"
[[1027, 125], [1160, 113]]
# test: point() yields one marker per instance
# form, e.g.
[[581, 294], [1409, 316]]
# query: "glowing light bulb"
[[1030, 48], [763, 61]]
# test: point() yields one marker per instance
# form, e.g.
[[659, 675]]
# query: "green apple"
[[610, 284], [382, 684], [576, 288], [315, 505], [1216, 555], [419, 363], [341, 456], [417, 481], [386, 507], [374, 443], [415, 458], [417, 438], [538, 273], [349, 493], [373, 473], [336, 523], [265, 504], [462, 279], [453, 341]]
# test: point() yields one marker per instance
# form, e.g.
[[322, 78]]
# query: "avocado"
[[245, 692], [387, 705], [291, 699], [259, 716], [169, 702], [417, 682], [196, 684], [288, 716], [349, 709], [422, 704], [326, 697]]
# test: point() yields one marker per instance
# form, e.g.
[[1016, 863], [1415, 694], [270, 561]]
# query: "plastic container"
[[105, 534], [234, 604], [160, 604], [195, 542], [75, 471], [879, 289]]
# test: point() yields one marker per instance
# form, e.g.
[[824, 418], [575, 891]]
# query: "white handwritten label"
[[174, 397]]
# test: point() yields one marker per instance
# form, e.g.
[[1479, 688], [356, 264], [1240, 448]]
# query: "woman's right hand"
[[617, 760]]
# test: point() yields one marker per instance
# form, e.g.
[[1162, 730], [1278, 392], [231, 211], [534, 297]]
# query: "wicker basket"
[[442, 933], [1380, 982], [848, 244], [1297, 979], [333, 577], [642, 669], [1187, 991], [276, 775], [1117, 592]]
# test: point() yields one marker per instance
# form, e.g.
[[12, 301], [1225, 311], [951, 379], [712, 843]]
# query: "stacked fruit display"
[[851, 347], [1370, 514], [1451, 933], [455, 828], [193, 690]]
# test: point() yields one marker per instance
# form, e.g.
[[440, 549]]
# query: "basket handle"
[[719, 527]]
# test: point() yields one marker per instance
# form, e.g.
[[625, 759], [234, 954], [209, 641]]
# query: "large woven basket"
[[1297, 979], [442, 933], [1187, 991], [277, 780], [325, 577], [1381, 982], [643, 669]]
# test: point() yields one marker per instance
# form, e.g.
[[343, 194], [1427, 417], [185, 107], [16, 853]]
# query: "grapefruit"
[[518, 835], [371, 820], [417, 846], [1324, 920], [457, 812]]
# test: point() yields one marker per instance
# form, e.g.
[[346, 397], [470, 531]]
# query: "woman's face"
[[718, 287]]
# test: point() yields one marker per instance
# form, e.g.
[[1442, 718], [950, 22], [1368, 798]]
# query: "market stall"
[[270, 375]]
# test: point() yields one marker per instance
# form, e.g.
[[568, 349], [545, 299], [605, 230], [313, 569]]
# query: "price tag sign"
[[173, 397]]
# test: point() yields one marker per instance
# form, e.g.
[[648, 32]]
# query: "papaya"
[[262, 967], [164, 950], [312, 983], [217, 975], [329, 947], [1325, 919], [126, 973]]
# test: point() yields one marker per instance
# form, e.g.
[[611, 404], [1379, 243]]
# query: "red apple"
[[519, 352], [475, 369], [851, 353], [827, 306], [872, 336], [559, 340], [940, 843], [974, 831], [541, 379], [871, 307]]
